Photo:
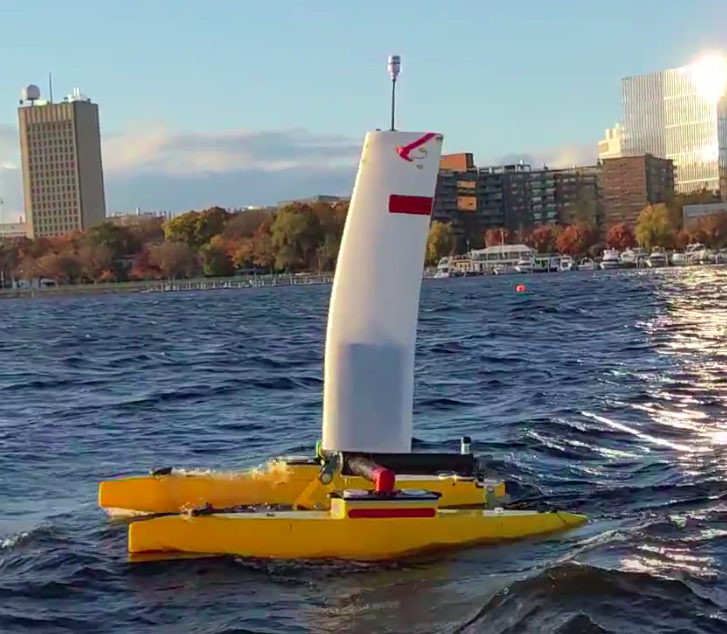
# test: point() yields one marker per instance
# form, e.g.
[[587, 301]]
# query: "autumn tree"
[[120, 241], [196, 228], [148, 230], [241, 252], [9, 260], [173, 259], [97, 262], [713, 229], [682, 239], [543, 239], [244, 224], [654, 227], [440, 241], [263, 250], [675, 203], [695, 234], [295, 235], [143, 267], [331, 220], [215, 261], [621, 237], [576, 240], [64, 268], [494, 237]]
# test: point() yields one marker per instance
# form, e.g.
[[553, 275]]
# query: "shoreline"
[[169, 286]]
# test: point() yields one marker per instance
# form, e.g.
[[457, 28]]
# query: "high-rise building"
[[610, 146], [722, 133], [677, 114], [60, 145], [630, 183]]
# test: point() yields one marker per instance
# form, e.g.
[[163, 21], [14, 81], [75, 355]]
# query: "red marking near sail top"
[[412, 205], [407, 149]]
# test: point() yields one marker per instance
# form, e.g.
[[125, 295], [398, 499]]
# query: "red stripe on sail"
[[412, 205], [407, 149]]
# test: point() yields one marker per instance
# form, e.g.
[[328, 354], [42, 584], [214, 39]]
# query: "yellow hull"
[[321, 535], [278, 483]]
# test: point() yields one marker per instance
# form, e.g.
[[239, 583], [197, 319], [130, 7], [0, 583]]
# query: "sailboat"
[[380, 501]]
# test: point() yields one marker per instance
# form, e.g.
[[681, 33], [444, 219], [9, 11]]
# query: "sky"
[[237, 103]]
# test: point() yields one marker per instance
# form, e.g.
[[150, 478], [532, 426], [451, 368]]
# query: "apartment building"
[[630, 183], [63, 183], [455, 198], [513, 196], [477, 199]]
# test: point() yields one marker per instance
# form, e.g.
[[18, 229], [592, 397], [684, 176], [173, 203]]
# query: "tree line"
[[299, 237], [214, 243], [657, 226]]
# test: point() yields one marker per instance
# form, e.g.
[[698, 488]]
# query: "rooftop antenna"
[[394, 70], [50, 87]]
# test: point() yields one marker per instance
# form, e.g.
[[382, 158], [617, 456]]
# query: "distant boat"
[[567, 263], [525, 265], [657, 258], [611, 259]]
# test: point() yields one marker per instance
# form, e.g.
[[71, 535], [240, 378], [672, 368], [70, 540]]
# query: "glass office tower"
[[676, 114], [722, 130]]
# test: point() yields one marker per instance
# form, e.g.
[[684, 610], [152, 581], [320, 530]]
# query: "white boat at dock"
[[657, 259], [611, 259], [567, 263]]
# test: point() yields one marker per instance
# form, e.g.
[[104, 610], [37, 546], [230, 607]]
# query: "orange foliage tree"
[[576, 240], [543, 239], [621, 236], [712, 230], [494, 237]]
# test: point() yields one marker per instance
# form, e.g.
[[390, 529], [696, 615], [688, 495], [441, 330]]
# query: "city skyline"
[[209, 123]]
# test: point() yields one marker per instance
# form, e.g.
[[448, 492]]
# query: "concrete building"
[[319, 198], [680, 114], [691, 214], [630, 183], [138, 216], [60, 146], [12, 230], [610, 146]]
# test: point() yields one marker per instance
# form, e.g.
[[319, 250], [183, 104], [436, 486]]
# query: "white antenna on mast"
[[394, 70]]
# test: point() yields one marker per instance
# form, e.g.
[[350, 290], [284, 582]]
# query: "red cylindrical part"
[[384, 480]]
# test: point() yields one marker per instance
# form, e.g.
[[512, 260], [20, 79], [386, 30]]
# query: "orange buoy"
[[520, 288]]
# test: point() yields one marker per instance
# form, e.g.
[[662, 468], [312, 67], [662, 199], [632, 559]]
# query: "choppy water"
[[600, 392]]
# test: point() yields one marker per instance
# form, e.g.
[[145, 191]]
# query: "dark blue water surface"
[[600, 392]]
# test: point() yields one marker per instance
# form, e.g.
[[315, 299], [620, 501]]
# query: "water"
[[602, 393]]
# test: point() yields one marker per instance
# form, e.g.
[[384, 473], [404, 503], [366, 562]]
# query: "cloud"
[[555, 158], [156, 168], [189, 153]]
